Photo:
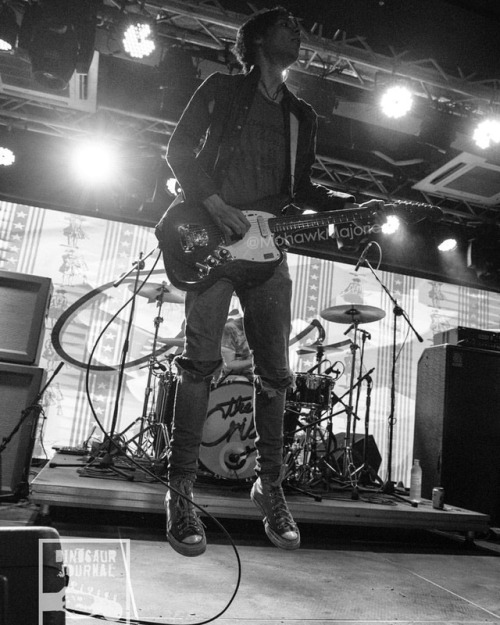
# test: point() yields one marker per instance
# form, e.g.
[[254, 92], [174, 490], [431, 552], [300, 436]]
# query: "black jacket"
[[209, 130]]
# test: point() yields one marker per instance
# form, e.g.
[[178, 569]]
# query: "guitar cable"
[[137, 465]]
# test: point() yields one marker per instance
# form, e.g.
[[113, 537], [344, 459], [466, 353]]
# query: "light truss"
[[351, 61]]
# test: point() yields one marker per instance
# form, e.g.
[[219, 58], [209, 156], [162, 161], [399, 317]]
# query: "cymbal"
[[352, 313], [159, 292], [316, 347]]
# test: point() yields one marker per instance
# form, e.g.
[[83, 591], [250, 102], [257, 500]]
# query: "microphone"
[[331, 369], [363, 256]]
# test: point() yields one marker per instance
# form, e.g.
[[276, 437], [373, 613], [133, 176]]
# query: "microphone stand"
[[388, 485], [104, 456]]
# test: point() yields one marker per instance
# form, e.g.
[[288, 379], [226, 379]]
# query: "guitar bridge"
[[192, 237]]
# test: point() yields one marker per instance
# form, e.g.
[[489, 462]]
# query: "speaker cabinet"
[[457, 426], [19, 387], [24, 301]]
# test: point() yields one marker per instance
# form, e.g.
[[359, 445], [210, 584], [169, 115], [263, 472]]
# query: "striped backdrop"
[[84, 256]]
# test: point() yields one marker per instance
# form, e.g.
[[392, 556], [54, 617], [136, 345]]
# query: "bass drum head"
[[228, 445]]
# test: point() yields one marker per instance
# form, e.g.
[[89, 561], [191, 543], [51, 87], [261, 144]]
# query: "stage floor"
[[59, 483]]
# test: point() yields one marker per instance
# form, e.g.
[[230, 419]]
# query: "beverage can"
[[438, 498]]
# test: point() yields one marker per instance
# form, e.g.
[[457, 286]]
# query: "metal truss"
[[351, 61]]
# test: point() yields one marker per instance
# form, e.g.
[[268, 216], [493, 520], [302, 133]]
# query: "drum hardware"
[[353, 315], [160, 293], [314, 347], [154, 426]]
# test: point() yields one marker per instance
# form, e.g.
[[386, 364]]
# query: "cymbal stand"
[[364, 335], [348, 470], [367, 474], [153, 363]]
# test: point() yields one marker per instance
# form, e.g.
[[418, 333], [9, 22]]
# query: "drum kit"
[[312, 453]]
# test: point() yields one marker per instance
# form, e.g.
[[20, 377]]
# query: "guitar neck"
[[409, 212], [316, 220]]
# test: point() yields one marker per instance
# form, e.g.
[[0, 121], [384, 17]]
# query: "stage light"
[[487, 132], [94, 162], [448, 245], [7, 157], [483, 256], [396, 101], [391, 225], [58, 36], [138, 40], [8, 29]]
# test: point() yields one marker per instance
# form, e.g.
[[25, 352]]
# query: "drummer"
[[236, 355]]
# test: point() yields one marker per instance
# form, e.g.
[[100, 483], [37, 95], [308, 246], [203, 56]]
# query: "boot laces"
[[186, 518]]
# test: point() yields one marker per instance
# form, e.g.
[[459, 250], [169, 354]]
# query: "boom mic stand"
[[110, 446], [388, 485]]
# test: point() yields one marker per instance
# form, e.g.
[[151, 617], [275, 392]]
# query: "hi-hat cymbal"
[[316, 347], [352, 313], [159, 292]]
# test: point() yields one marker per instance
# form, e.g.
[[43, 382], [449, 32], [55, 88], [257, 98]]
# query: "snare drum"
[[228, 445], [310, 390]]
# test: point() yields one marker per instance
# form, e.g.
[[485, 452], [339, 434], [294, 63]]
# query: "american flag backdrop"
[[84, 256]]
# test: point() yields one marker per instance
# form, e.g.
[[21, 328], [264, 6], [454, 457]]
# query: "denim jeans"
[[266, 311]]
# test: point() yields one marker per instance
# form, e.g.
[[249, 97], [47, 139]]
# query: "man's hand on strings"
[[230, 220]]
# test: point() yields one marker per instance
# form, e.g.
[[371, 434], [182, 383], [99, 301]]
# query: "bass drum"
[[228, 445]]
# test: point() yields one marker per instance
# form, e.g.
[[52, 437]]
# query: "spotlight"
[[138, 39], [448, 245], [94, 162], [8, 29], [391, 225], [487, 132], [397, 101], [483, 255], [7, 157], [59, 37]]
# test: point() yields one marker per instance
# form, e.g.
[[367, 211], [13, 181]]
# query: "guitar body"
[[196, 253]]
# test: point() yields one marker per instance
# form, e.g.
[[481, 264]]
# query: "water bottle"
[[416, 482]]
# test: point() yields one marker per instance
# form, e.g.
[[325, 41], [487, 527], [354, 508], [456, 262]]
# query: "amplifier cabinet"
[[457, 426], [19, 387], [24, 302]]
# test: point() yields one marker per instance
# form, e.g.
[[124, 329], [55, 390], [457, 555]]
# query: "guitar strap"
[[294, 133]]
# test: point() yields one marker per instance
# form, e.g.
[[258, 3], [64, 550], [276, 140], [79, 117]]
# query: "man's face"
[[281, 43]]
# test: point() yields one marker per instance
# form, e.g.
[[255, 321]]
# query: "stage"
[[59, 483]]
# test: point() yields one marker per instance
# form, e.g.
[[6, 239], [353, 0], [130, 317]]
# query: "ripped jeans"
[[266, 310]]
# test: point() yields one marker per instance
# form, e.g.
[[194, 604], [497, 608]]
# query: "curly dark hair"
[[257, 26]]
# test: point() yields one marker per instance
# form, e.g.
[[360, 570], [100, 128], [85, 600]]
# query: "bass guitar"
[[196, 253]]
